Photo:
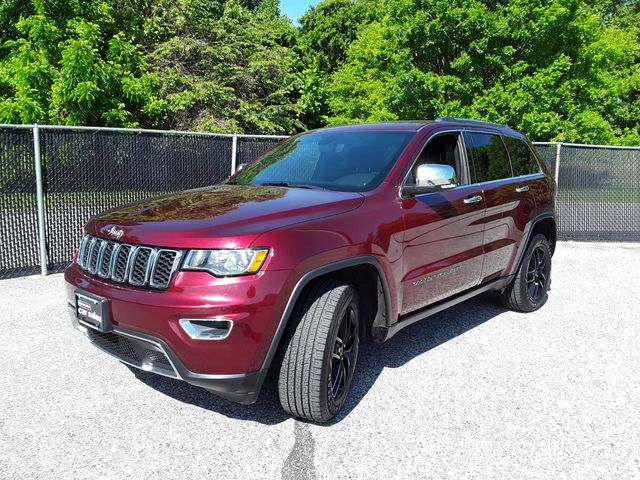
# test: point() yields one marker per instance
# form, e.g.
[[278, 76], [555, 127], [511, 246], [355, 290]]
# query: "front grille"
[[95, 253], [125, 263]]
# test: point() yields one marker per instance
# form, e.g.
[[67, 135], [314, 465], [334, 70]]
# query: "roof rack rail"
[[470, 121]]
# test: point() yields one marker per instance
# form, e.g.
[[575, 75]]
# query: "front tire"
[[321, 356], [529, 290]]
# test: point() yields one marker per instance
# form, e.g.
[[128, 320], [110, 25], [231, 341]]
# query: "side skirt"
[[382, 334]]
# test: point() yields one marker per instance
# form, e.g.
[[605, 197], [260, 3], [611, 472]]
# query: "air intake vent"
[[122, 262]]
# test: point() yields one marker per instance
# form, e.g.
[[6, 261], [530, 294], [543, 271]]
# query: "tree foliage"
[[556, 69]]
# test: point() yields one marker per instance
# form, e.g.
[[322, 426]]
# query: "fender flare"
[[527, 236], [297, 290]]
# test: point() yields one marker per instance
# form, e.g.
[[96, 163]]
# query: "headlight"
[[225, 263]]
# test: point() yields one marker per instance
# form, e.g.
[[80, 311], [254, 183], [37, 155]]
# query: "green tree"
[[69, 62], [230, 72], [555, 69], [326, 33], [204, 64]]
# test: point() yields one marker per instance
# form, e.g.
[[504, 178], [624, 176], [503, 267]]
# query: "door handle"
[[475, 199], [522, 188]]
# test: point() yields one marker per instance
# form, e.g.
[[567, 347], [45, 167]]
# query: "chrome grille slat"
[[119, 273], [136, 265], [87, 253], [138, 273], [167, 262], [82, 252], [130, 260], [114, 258], [94, 253], [151, 264], [104, 264]]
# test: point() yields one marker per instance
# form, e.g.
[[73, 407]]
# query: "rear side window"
[[523, 160], [489, 157]]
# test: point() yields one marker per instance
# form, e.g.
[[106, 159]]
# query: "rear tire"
[[529, 289], [321, 356]]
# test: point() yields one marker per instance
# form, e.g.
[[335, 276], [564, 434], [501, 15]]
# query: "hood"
[[226, 216]]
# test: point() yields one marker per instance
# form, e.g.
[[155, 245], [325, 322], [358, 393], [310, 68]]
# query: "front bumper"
[[152, 354], [147, 333]]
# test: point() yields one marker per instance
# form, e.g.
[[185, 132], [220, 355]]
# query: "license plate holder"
[[93, 311]]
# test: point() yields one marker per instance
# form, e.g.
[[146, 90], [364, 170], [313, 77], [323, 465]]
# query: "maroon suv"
[[334, 236]]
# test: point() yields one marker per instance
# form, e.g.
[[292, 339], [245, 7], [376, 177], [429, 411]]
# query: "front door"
[[443, 231]]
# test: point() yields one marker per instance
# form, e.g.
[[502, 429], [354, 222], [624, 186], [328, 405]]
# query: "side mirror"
[[240, 167], [432, 177]]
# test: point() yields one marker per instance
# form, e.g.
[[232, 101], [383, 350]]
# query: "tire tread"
[[300, 379], [515, 296]]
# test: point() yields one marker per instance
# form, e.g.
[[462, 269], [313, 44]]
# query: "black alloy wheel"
[[537, 275], [529, 289], [344, 355]]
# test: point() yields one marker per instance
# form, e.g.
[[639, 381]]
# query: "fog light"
[[202, 329]]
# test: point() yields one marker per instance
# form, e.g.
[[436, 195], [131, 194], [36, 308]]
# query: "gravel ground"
[[474, 392]]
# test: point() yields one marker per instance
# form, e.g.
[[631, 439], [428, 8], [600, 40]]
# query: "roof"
[[470, 121], [416, 125], [404, 125]]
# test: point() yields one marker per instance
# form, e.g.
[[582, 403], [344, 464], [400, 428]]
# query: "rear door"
[[527, 169], [508, 199], [443, 231]]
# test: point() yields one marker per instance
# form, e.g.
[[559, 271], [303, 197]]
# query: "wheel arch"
[[545, 223], [546, 226], [348, 271]]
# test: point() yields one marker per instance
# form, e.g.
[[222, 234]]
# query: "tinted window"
[[443, 149], [489, 157], [523, 160], [332, 159]]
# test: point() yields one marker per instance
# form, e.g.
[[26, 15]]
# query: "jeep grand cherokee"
[[333, 237]]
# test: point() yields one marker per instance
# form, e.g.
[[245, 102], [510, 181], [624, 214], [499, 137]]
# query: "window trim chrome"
[[532, 151]]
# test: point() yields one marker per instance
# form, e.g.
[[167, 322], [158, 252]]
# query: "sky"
[[294, 9]]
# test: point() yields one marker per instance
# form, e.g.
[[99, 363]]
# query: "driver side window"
[[443, 149]]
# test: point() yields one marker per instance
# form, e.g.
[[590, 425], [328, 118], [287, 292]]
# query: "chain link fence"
[[86, 170], [18, 204], [598, 190]]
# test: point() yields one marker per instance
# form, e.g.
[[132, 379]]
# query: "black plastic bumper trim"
[[239, 387]]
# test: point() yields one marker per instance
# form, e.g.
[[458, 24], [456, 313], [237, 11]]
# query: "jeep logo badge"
[[115, 232]]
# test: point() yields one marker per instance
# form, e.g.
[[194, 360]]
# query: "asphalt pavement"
[[476, 392]]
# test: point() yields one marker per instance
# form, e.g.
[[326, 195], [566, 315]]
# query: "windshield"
[[330, 159]]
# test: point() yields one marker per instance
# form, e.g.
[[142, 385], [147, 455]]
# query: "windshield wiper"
[[290, 185]]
